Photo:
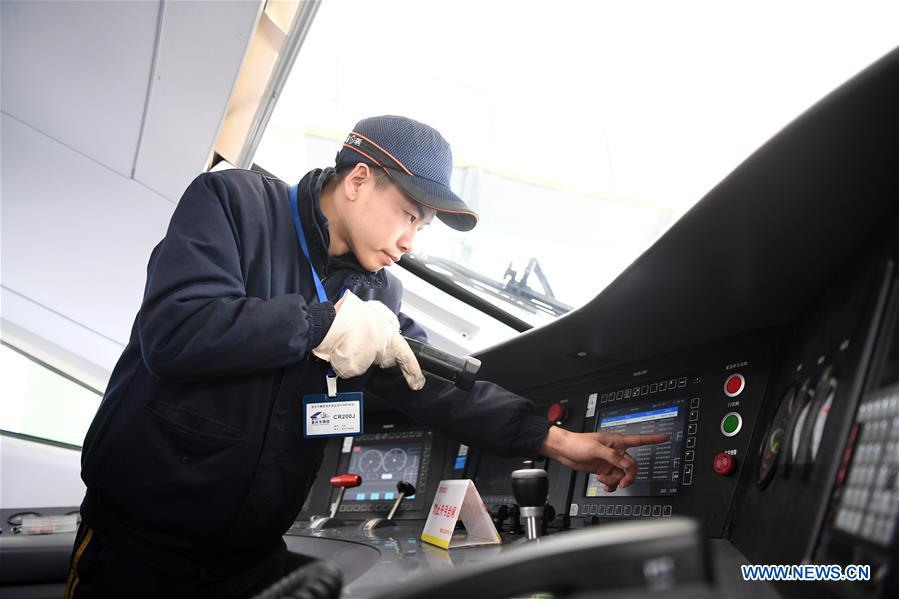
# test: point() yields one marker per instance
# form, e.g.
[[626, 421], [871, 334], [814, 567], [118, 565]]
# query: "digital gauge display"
[[381, 466], [775, 438], [658, 466]]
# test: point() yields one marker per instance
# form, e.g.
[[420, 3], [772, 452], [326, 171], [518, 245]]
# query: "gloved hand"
[[366, 333]]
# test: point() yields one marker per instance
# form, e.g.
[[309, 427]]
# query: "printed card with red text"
[[457, 499]]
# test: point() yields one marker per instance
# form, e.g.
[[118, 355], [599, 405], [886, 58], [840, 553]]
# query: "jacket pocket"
[[195, 435]]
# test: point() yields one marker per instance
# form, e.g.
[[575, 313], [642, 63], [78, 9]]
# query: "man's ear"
[[354, 180]]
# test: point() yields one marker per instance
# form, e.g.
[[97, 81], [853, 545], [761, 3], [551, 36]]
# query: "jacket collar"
[[315, 226]]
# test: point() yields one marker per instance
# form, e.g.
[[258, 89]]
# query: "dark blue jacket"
[[197, 450]]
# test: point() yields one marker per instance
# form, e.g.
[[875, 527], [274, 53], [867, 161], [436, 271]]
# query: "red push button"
[[724, 463], [734, 385], [556, 413], [346, 480]]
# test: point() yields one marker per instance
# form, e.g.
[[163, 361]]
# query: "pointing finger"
[[636, 440]]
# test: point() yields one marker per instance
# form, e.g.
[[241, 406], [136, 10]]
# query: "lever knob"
[[405, 489], [499, 516], [346, 481], [342, 482], [502, 513], [530, 487]]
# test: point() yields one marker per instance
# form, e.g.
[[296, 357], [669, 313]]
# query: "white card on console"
[[457, 499]]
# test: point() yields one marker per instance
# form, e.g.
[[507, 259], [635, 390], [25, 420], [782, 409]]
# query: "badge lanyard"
[[345, 417]]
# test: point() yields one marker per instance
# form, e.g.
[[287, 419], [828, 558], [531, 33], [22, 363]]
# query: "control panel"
[[383, 459], [386, 455], [707, 402]]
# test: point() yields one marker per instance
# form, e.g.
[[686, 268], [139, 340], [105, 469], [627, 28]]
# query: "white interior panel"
[[57, 340], [35, 475], [75, 235], [201, 48], [79, 72]]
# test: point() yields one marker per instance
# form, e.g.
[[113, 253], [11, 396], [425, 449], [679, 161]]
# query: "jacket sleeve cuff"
[[320, 317], [532, 430]]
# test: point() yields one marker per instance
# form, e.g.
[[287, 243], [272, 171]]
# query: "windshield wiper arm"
[[513, 292], [447, 283]]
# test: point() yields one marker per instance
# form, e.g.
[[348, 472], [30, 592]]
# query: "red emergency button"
[[734, 385], [724, 463], [346, 480], [556, 412]]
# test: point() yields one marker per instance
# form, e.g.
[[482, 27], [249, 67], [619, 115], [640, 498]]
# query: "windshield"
[[580, 130]]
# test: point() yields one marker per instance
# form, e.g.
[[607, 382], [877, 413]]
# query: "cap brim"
[[450, 207]]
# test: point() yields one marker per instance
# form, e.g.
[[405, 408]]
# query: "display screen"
[[658, 466], [494, 475], [381, 466]]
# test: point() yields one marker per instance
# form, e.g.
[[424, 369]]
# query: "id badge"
[[339, 416]]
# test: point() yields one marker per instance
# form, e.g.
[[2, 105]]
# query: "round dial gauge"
[[371, 461], [395, 460]]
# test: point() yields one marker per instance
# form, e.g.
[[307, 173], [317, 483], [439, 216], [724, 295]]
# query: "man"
[[198, 459]]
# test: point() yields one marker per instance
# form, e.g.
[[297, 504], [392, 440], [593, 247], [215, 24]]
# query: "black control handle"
[[405, 489], [461, 371], [530, 487]]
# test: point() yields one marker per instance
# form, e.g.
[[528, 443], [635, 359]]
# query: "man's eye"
[[411, 217]]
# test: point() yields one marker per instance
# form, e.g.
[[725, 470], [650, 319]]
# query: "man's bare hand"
[[603, 454]]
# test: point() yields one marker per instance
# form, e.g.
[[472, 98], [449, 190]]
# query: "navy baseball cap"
[[417, 159]]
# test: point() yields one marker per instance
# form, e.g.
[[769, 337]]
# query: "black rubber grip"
[[461, 371]]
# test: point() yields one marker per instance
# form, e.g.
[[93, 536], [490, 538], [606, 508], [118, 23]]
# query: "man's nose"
[[405, 243]]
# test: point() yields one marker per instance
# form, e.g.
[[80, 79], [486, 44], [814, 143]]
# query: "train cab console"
[[761, 333]]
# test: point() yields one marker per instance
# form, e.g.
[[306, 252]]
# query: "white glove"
[[366, 333]]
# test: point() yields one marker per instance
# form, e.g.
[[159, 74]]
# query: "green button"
[[731, 424]]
